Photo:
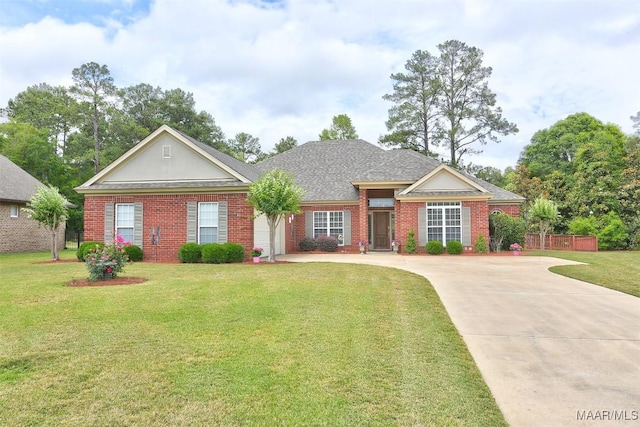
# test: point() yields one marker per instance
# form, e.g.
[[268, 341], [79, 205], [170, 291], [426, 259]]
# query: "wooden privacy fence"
[[563, 242]]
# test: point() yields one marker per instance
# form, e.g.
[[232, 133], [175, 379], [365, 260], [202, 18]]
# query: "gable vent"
[[166, 151]]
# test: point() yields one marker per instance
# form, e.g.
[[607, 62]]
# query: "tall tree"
[[446, 101], [285, 144], [46, 107], [275, 195], [555, 149], [341, 129], [31, 149], [413, 119], [468, 106], [636, 122], [94, 86], [49, 208], [246, 147]]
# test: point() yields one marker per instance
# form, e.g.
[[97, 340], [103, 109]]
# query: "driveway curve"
[[553, 350]]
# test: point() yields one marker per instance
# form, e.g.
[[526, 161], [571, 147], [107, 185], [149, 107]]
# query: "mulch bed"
[[111, 282]]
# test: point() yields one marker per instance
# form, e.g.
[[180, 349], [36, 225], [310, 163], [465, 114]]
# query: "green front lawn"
[[286, 344], [619, 270]]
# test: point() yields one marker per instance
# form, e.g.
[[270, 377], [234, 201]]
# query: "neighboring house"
[[19, 233], [353, 190]]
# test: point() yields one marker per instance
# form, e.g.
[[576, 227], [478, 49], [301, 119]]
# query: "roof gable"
[[445, 179], [167, 158]]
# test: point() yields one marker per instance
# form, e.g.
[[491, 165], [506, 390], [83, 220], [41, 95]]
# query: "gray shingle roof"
[[327, 169], [16, 185]]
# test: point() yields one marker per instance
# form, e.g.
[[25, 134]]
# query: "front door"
[[381, 230]]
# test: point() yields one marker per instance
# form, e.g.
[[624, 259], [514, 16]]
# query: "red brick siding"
[[170, 213], [513, 210], [299, 226], [23, 234], [407, 219]]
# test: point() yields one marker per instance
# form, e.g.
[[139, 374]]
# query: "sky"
[[277, 68]]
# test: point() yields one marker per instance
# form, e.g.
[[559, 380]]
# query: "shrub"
[[412, 246], [86, 248], [454, 247], [108, 260], [583, 226], [308, 244], [327, 243], [613, 234], [235, 252], [214, 253], [190, 253], [434, 247], [480, 246], [134, 252], [506, 229]]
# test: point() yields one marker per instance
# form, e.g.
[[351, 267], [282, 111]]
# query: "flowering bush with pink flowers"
[[106, 262]]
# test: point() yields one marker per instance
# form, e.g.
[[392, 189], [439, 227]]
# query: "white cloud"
[[286, 68]]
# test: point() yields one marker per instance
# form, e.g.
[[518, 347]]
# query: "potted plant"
[[395, 245], [515, 248], [256, 252], [362, 246]]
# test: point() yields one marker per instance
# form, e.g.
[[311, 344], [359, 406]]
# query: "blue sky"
[[280, 68], [21, 12]]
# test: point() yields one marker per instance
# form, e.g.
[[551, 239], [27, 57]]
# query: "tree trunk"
[[54, 245], [273, 224]]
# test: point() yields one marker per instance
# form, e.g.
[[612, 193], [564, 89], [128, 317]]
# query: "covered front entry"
[[380, 230]]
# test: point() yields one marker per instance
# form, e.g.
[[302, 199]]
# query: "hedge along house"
[[354, 191], [169, 190], [18, 232]]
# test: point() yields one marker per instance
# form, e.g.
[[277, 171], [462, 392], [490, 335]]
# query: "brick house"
[[18, 232], [354, 191]]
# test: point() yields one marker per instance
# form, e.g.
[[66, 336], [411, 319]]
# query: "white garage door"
[[261, 236]]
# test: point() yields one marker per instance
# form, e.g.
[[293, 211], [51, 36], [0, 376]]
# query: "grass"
[[286, 344], [619, 270]]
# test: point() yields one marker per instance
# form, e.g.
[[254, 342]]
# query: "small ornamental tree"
[[542, 214], [49, 208], [412, 246], [275, 195]]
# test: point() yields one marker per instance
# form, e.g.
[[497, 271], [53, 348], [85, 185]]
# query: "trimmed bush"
[[134, 252], [235, 252], [412, 246], [308, 244], [327, 243], [434, 247], [190, 253], [86, 248], [480, 246], [454, 247], [214, 253]]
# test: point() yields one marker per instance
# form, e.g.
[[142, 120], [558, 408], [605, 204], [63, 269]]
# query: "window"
[[14, 211], [207, 222], [125, 220], [381, 203], [166, 151], [444, 222], [329, 223]]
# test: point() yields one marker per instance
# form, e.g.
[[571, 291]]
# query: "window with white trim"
[[125, 219], [207, 222], [444, 221], [14, 211], [329, 223]]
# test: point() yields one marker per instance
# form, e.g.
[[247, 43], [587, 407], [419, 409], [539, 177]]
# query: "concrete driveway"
[[553, 350]]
